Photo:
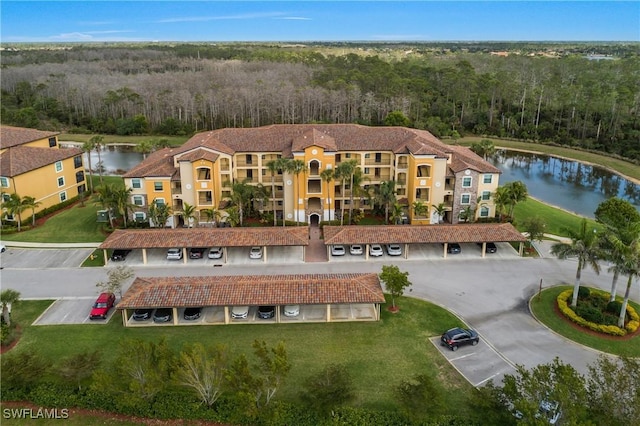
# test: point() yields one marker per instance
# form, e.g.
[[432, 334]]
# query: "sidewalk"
[[24, 244]]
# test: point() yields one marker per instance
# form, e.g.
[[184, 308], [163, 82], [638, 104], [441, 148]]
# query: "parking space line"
[[486, 380], [462, 356]]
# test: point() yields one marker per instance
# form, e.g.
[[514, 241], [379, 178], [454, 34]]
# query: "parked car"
[[196, 253], [191, 314], [3, 248], [102, 305], [255, 253], [239, 312], [491, 247], [291, 310], [337, 251], [356, 249], [119, 255], [548, 410], [162, 315], [215, 253], [394, 250], [454, 248], [459, 336], [174, 254], [266, 312], [141, 314], [375, 250]]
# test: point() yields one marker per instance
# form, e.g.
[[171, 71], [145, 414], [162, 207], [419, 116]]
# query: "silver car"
[[291, 310], [174, 254], [239, 312], [375, 250], [356, 249], [215, 253], [394, 249], [255, 253], [337, 251]]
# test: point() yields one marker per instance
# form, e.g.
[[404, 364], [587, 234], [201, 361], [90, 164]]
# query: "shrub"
[[583, 292], [614, 307]]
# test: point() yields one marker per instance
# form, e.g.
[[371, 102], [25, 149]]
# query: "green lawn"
[[113, 139], [543, 309], [378, 354], [557, 220], [627, 168]]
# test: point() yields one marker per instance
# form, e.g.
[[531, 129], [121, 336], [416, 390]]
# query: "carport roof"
[[206, 237], [307, 289], [416, 234]]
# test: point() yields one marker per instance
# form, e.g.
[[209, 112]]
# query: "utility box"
[[103, 216]]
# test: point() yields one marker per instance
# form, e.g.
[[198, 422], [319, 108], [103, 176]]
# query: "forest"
[[535, 92]]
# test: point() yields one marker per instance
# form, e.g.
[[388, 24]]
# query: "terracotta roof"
[[313, 137], [14, 136], [401, 234], [215, 290], [198, 154], [464, 159], [206, 237], [157, 164], [21, 159]]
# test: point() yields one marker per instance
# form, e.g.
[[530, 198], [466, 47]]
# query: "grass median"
[[379, 355]]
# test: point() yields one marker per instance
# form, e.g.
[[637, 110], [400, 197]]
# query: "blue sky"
[[87, 21]]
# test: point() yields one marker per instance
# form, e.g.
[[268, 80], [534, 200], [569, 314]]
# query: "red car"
[[102, 306]]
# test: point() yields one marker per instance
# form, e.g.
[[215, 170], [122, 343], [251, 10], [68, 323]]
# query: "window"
[[138, 200], [63, 196], [376, 172], [347, 155], [249, 159], [79, 177], [378, 157], [250, 175], [486, 195], [52, 142], [60, 181], [205, 197], [204, 173], [58, 166], [81, 189], [157, 186], [139, 216], [465, 199], [5, 197], [77, 161], [159, 201], [136, 183], [366, 171], [367, 155], [488, 178], [466, 182], [484, 211], [4, 182]]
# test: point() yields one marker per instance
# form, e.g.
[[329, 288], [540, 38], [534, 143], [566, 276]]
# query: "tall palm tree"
[[396, 213], [31, 203], [284, 165], [386, 196], [357, 188], [345, 172], [628, 263], [501, 200], [122, 201], [584, 246], [351, 171], [297, 167], [107, 199], [87, 147], [327, 176], [441, 209], [144, 147], [517, 192], [188, 213], [274, 167], [159, 213], [96, 143], [420, 209], [484, 148], [15, 206], [211, 215], [259, 195], [241, 194], [7, 297]]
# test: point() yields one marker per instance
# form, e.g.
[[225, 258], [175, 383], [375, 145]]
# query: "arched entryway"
[[314, 220]]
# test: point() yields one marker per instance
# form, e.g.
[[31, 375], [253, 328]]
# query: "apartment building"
[[33, 164], [425, 171]]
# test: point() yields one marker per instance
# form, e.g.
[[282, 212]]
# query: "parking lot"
[[20, 258], [70, 311]]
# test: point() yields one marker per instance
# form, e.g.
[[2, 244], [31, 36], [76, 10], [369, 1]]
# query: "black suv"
[[459, 336], [266, 312], [119, 255]]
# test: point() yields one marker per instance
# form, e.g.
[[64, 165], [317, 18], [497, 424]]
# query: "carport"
[[322, 297], [422, 234], [145, 239]]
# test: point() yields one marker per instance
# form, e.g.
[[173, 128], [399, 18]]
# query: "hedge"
[[631, 327]]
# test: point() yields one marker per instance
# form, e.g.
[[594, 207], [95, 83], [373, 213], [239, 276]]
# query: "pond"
[[571, 185], [116, 159]]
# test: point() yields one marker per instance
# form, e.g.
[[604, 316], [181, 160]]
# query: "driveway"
[[70, 311], [23, 258]]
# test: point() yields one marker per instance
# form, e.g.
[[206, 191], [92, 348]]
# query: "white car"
[[291, 310], [239, 312], [215, 253], [3, 248], [337, 250], [174, 254], [356, 249], [375, 250], [255, 252], [394, 249]]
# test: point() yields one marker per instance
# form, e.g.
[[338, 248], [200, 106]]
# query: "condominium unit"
[[433, 182], [32, 164]]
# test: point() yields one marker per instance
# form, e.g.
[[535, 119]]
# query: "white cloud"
[[222, 17], [295, 18], [72, 37]]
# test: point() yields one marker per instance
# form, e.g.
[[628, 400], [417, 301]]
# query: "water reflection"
[[115, 159], [568, 184]]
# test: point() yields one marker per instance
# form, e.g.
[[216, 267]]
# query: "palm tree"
[[159, 213], [15, 206], [501, 200], [344, 172], [517, 192], [386, 196], [96, 143], [584, 246], [122, 201], [107, 199], [7, 298], [31, 203], [211, 215], [396, 213], [144, 147], [296, 167], [484, 148], [188, 214], [284, 166], [357, 190], [259, 194], [420, 209], [441, 209], [274, 167], [327, 176], [87, 147], [628, 263], [240, 195]]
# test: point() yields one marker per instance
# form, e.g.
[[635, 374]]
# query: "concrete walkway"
[[24, 244]]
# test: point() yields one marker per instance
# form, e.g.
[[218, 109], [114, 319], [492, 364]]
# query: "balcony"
[[402, 164]]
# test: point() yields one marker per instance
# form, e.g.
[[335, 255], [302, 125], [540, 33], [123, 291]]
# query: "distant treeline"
[[542, 92]]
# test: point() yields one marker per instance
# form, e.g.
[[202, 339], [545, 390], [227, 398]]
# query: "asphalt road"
[[490, 295]]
